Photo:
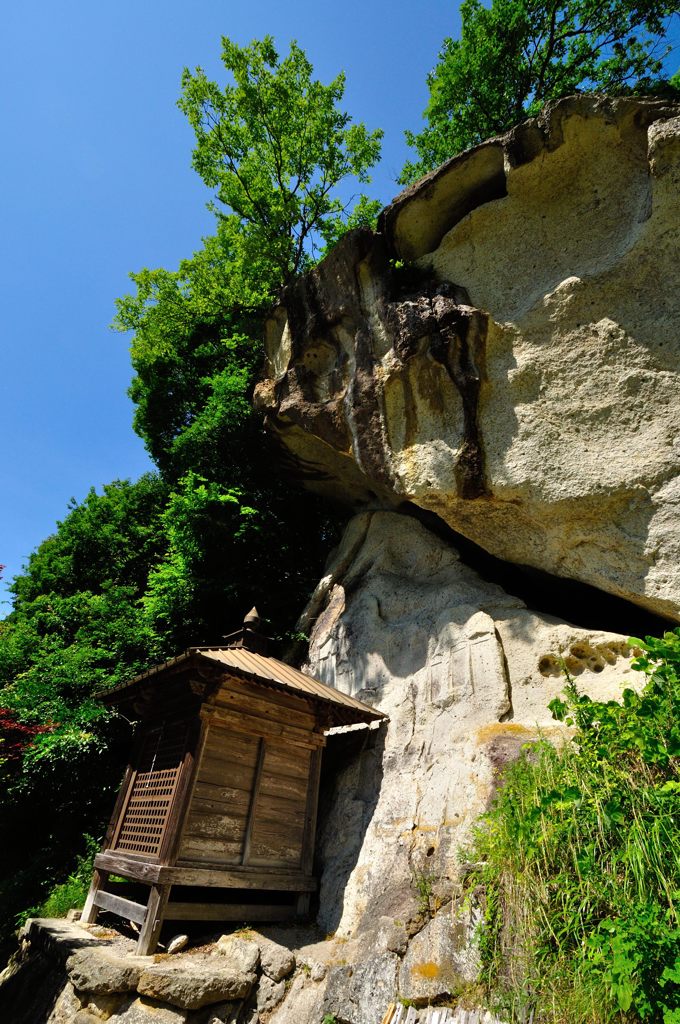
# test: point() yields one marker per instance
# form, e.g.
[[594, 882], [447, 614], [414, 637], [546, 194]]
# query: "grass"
[[71, 893]]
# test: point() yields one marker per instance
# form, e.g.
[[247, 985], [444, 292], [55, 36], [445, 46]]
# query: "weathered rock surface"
[[441, 959], [276, 961], [520, 376], [360, 993], [103, 973], [465, 672], [242, 955], [270, 993], [142, 1011], [193, 985], [303, 1003]]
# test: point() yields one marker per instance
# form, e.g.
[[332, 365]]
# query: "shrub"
[[71, 893], [580, 866]]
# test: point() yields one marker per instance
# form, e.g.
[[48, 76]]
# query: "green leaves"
[[208, 527], [514, 55], [273, 146], [580, 860]]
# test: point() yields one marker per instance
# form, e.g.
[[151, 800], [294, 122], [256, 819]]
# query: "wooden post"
[[151, 929], [90, 910], [302, 905], [309, 835], [182, 798]]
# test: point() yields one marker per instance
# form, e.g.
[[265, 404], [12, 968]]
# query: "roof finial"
[[252, 619]]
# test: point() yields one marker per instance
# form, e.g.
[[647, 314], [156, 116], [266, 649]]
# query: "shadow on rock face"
[[350, 786]]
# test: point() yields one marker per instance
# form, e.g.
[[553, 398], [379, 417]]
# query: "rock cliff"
[[505, 351]]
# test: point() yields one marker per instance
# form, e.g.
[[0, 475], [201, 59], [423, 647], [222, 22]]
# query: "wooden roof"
[[264, 671]]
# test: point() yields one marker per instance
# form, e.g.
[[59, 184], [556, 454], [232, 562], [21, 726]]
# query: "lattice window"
[[153, 788]]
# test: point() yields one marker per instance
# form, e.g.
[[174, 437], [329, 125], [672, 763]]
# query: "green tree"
[[143, 569], [77, 626], [77, 623], [274, 146], [514, 55]]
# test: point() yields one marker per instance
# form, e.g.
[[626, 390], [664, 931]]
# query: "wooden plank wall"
[[250, 802], [279, 820], [216, 824]]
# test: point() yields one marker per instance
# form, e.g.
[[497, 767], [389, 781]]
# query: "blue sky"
[[97, 182]]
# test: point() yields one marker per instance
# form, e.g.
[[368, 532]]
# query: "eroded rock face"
[[465, 672], [519, 376]]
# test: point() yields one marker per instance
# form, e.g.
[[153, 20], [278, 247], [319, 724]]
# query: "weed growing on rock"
[[423, 884], [580, 860], [69, 894]]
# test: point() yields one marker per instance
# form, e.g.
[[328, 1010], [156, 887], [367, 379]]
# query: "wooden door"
[[146, 810]]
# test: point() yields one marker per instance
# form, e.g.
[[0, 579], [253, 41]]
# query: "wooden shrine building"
[[217, 811]]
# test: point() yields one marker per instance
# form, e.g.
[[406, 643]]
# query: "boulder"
[[146, 1011], [64, 1009], [97, 971], [242, 954], [505, 351], [269, 993], [192, 984], [440, 959], [224, 1013], [360, 993], [303, 1002], [276, 961]]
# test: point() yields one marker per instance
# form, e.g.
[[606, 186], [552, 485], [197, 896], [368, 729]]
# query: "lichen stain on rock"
[[494, 730], [429, 970]]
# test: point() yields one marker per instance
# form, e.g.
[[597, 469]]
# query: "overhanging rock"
[[505, 351]]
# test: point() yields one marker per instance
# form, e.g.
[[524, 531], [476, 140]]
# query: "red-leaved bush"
[[15, 737]]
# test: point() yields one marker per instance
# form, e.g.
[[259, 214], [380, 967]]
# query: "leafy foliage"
[[514, 55], [15, 739], [274, 145], [580, 861], [71, 893], [77, 626]]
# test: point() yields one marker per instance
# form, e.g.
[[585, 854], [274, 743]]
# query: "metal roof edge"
[[327, 694]]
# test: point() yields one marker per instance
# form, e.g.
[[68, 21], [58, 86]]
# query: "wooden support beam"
[[240, 878], [153, 921], [128, 867], [302, 905], [90, 910], [118, 905], [236, 877], [228, 912], [253, 725], [307, 859]]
